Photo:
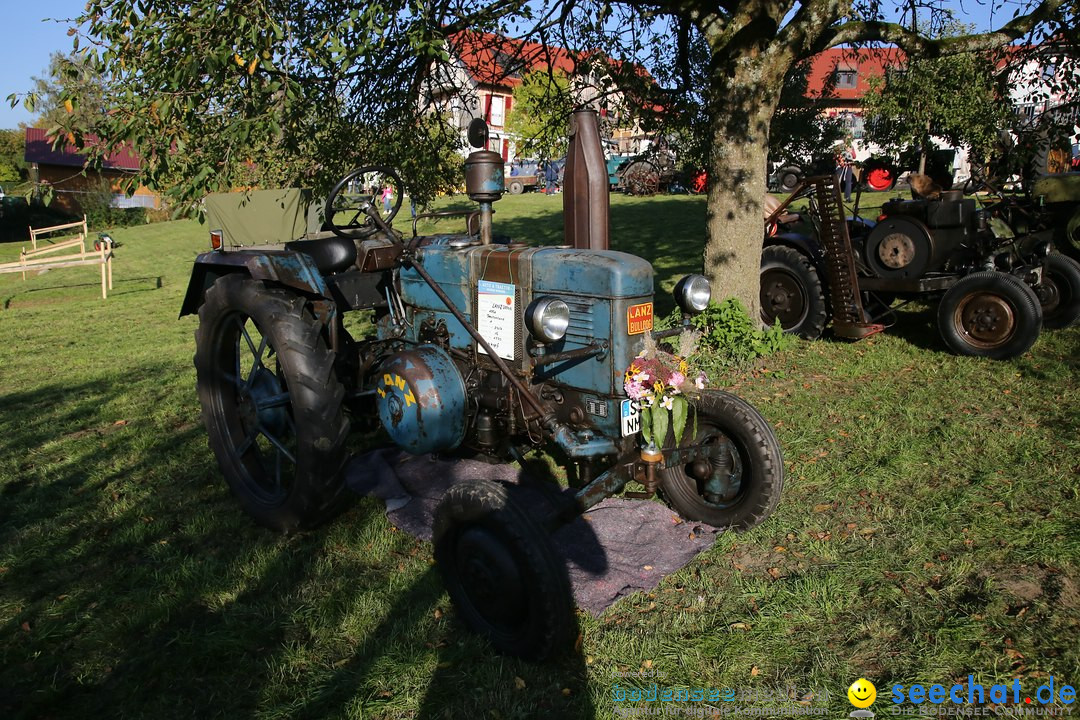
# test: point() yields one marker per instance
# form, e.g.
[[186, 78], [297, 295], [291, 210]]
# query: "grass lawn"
[[928, 529]]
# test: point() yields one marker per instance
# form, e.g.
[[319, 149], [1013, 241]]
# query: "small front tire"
[[750, 453], [989, 314], [502, 572]]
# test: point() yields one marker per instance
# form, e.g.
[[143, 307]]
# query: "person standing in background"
[[845, 168]]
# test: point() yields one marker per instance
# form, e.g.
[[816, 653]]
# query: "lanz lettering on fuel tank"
[[639, 318]]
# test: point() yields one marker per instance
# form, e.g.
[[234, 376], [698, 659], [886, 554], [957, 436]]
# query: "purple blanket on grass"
[[616, 548]]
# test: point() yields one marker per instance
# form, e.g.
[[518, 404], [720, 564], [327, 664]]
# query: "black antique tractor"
[[991, 269], [477, 346]]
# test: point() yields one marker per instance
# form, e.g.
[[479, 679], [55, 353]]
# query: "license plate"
[[631, 418]]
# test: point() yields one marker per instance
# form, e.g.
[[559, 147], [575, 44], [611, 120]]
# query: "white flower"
[[666, 403]]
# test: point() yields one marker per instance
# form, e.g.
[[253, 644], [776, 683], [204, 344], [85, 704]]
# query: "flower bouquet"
[[663, 385]]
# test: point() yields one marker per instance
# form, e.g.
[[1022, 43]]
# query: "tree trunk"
[[740, 121]]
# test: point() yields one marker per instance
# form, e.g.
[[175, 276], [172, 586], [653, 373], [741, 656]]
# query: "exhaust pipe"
[[585, 186]]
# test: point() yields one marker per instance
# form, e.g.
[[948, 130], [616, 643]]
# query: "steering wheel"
[[362, 191]]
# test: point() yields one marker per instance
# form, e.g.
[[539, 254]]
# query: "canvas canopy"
[[263, 217]]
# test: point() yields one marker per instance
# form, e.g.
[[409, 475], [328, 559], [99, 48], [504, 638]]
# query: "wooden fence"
[[46, 259]]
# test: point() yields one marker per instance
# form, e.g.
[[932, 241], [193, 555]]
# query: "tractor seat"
[[331, 254]]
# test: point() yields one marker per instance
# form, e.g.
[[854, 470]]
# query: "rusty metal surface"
[[585, 190], [844, 295], [484, 180], [421, 400], [292, 269]]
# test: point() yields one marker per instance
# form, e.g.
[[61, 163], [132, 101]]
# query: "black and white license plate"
[[630, 416]]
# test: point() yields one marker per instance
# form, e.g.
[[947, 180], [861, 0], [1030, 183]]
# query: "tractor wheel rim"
[[987, 320], [782, 294]]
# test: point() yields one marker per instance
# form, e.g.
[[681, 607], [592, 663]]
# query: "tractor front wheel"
[[501, 570], [271, 403], [739, 485], [989, 314]]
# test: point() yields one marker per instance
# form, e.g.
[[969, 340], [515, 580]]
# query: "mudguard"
[[805, 244], [291, 269]]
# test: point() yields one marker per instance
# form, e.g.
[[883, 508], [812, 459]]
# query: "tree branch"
[[914, 43]]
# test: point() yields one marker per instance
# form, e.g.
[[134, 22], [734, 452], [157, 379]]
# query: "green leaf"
[[646, 425], [660, 421], [679, 411]]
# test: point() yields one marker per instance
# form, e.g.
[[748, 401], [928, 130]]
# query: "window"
[[497, 110], [846, 78]]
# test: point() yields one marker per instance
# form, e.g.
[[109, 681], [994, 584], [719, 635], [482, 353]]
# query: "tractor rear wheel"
[[989, 314], [746, 489], [1059, 292], [791, 290], [271, 403], [501, 570]]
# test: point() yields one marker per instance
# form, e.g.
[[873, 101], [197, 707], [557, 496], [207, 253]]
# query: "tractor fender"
[[805, 244], [290, 269]]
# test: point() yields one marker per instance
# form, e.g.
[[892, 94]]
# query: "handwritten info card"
[[495, 315]]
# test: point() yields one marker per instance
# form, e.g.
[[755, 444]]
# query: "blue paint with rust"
[[598, 286], [292, 269], [421, 400]]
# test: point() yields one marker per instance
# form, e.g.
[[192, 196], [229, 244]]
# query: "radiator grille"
[[581, 327]]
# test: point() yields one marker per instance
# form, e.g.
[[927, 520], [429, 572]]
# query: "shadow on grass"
[[917, 324], [132, 585], [120, 287]]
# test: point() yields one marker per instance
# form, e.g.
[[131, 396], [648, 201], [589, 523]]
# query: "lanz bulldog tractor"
[[479, 346], [990, 269]]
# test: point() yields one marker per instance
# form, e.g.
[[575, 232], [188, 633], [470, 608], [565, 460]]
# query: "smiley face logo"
[[862, 693]]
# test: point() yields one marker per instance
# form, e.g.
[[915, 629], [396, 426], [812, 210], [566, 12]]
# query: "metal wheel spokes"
[[986, 319], [263, 428]]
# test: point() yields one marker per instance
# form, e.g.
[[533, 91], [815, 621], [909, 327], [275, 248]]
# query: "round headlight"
[[548, 319], [693, 293]]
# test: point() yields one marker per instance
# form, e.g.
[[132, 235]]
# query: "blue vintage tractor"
[[478, 346]]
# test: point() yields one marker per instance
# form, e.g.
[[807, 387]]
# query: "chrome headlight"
[[547, 319], [693, 293]]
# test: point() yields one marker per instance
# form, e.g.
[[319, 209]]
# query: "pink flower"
[[677, 379], [634, 390], [699, 383]]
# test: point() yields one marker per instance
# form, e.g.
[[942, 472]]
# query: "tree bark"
[[744, 95]]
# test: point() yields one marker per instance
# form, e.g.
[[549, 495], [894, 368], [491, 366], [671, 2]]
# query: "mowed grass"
[[928, 529]]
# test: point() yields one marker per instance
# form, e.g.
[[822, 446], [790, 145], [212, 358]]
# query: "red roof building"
[[484, 71], [65, 169]]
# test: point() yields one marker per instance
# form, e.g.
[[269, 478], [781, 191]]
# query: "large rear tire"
[[750, 452], [989, 314], [271, 403], [506, 580], [791, 290]]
